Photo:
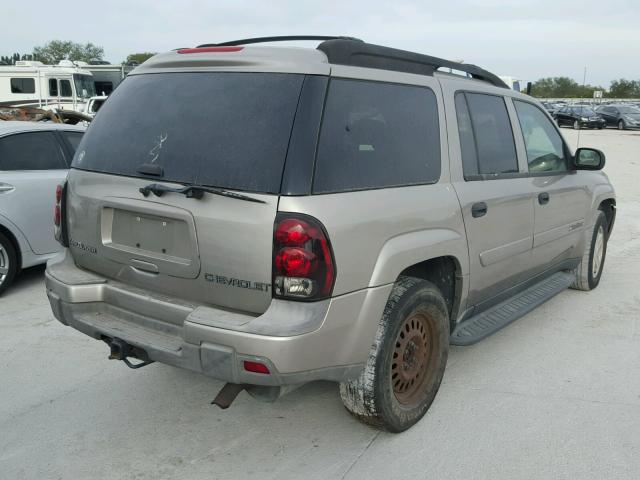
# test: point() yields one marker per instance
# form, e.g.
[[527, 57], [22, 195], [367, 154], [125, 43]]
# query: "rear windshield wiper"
[[195, 191]]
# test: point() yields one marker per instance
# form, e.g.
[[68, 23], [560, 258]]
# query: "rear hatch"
[[217, 130]]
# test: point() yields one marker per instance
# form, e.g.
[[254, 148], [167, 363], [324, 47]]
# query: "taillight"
[[210, 50], [57, 216], [303, 266], [59, 222]]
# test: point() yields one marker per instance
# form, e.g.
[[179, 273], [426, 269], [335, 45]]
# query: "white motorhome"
[[106, 77], [513, 83], [33, 84]]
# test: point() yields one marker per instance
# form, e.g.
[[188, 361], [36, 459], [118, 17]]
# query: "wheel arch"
[[14, 241], [445, 273], [608, 207]]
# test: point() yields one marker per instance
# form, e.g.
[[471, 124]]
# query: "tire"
[[8, 262], [621, 125], [589, 270], [576, 125], [414, 327]]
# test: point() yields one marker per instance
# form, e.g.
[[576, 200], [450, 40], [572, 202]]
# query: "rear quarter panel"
[[376, 234]]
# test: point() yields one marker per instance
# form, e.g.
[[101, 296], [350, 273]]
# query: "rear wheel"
[[576, 125], [621, 125], [8, 262], [590, 268], [407, 361]]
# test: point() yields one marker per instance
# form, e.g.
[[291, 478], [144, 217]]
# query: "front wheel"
[[590, 268], [576, 125], [407, 360], [621, 125]]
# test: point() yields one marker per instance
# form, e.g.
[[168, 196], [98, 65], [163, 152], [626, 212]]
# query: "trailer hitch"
[[121, 350]]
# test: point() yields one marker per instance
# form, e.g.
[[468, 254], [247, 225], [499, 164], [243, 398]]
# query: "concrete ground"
[[556, 395]]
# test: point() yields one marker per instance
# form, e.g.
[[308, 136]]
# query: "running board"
[[490, 321]]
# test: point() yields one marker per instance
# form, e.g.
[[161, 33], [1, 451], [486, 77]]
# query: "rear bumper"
[[299, 342]]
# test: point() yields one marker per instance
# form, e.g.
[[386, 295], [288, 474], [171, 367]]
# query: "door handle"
[[543, 198], [479, 209], [6, 188]]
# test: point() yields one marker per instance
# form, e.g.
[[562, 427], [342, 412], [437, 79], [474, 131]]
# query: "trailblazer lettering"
[[237, 282], [81, 246]]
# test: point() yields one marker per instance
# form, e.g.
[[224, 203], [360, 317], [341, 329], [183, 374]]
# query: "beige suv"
[[270, 216]]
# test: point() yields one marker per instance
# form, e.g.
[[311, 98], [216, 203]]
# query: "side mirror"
[[589, 159]]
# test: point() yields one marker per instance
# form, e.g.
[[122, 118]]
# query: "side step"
[[490, 321]]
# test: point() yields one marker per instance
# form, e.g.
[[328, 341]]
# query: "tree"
[[12, 59], [139, 57], [624, 88], [56, 50], [562, 87]]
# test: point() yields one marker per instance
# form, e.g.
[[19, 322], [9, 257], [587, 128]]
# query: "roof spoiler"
[[342, 50]]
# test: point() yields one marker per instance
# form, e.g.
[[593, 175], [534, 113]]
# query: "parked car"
[[340, 213], [93, 105], [621, 116], [550, 107], [579, 117], [34, 159]]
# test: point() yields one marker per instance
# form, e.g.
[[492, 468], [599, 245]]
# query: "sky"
[[523, 39]]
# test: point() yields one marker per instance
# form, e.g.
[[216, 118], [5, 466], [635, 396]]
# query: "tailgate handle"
[[144, 266]]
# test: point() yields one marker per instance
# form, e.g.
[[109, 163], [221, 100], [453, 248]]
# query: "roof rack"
[[342, 51], [354, 52], [289, 38]]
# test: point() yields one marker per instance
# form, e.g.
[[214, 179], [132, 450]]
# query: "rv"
[[106, 77], [53, 87]]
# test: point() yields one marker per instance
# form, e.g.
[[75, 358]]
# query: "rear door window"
[[228, 130], [377, 135], [31, 151], [486, 137]]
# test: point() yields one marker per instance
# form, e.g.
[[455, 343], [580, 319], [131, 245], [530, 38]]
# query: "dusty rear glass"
[[228, 130]]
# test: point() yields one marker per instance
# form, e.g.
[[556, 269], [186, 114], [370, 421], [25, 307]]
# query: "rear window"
[[73, 138], [377, 135], [228, 130]]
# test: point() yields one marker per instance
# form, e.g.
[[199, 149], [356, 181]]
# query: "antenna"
[[584, 82]]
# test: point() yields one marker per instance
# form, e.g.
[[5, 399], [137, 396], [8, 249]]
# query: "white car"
[[34, 159], [93, 105]]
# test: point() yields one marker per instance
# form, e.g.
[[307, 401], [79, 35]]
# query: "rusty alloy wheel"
[[415, 353]]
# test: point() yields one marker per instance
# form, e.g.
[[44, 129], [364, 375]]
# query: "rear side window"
[[228, 130], [377, 135], [31, 151], [486, 137], [23, 85]]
